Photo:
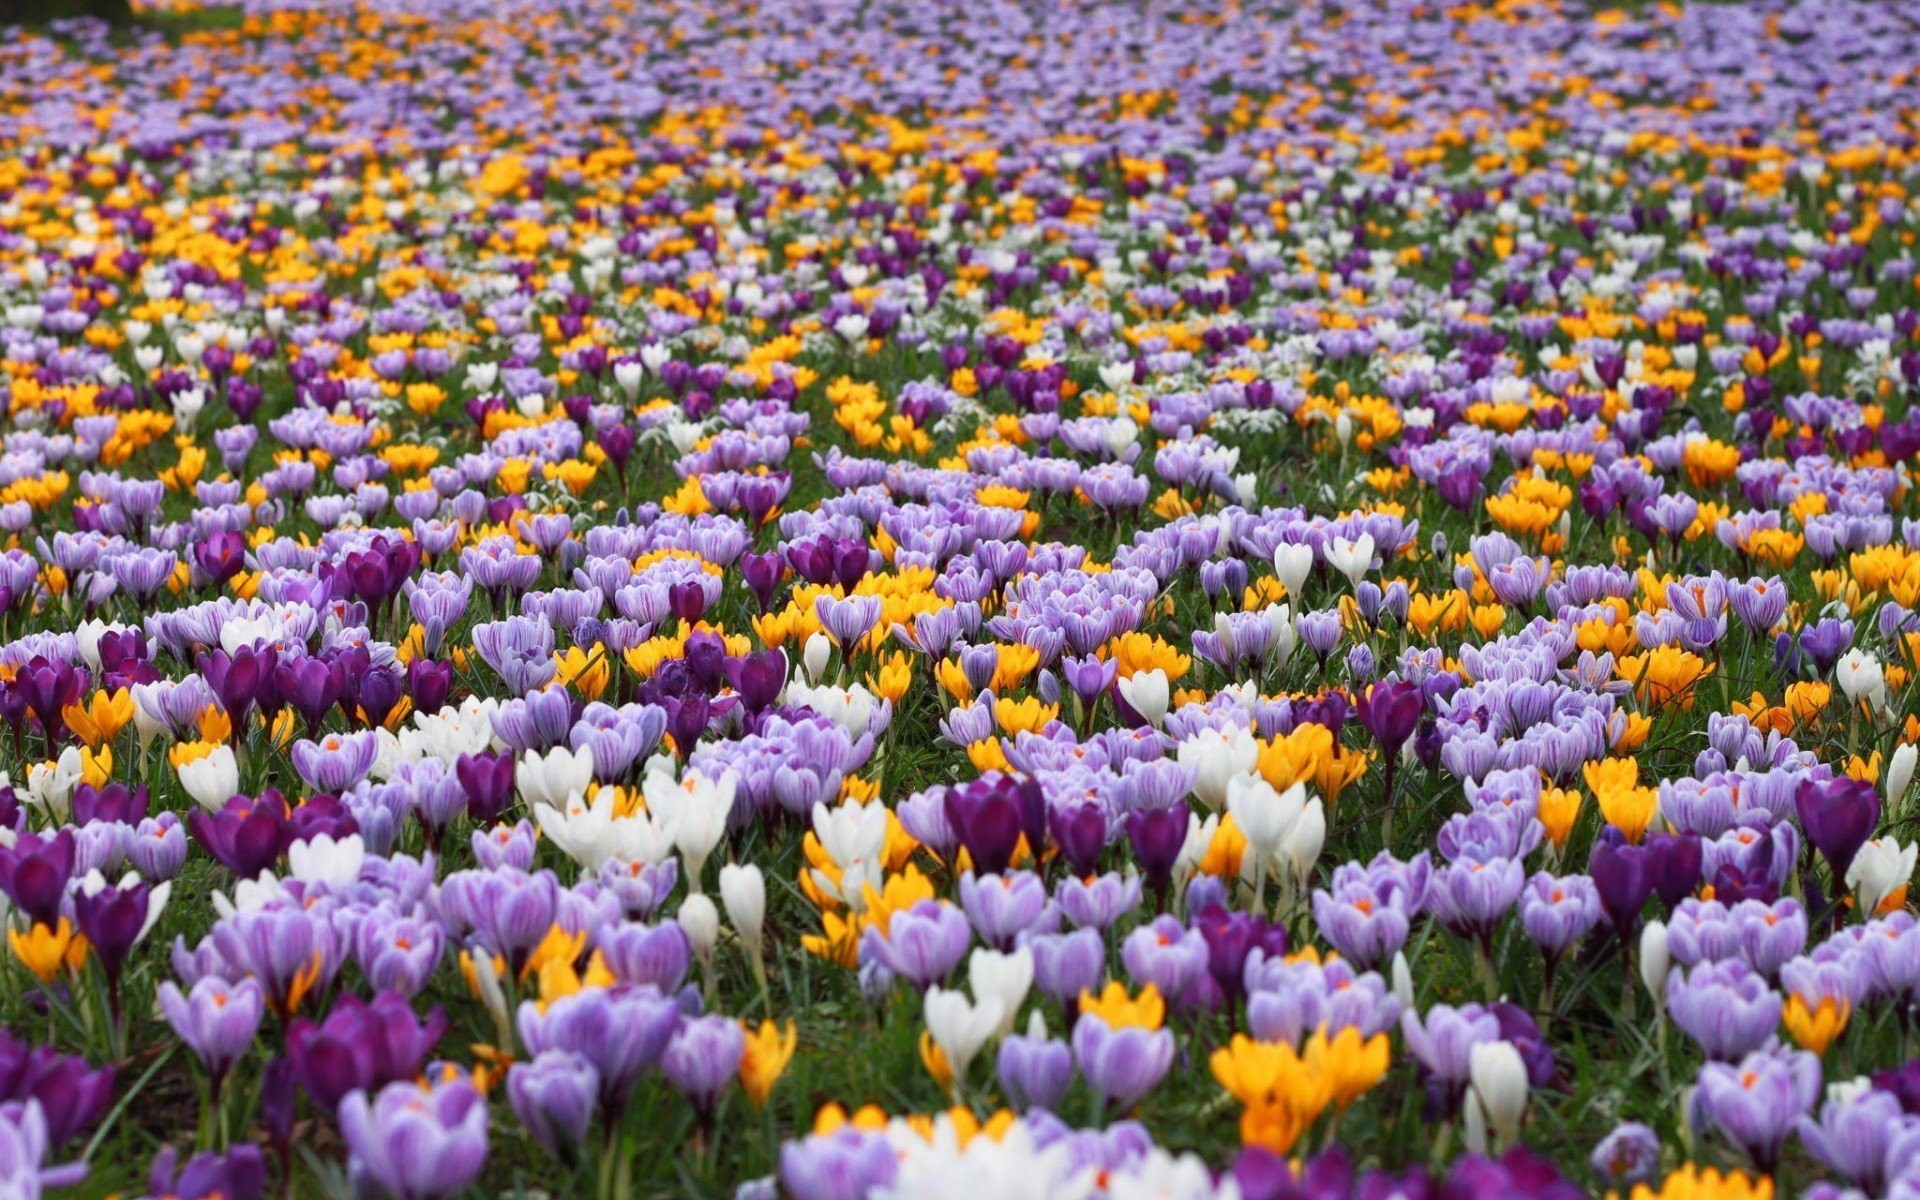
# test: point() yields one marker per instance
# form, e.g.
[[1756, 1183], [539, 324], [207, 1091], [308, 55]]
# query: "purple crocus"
[[622, 1030], [1852, 1136], [1725, 1007], [1838, 816], [337, 761], [1442, 1042], [922, 944], [702, 1059], [361, 1046], [847, 1164], [1556, 913], [1120, 1065], [217, 1020], [1035, 1071], [1002, 906], [416, 1141], [1756, 1103], [238, 1174], [556, 1098]]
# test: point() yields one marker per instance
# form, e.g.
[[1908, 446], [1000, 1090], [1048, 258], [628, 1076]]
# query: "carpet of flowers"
[[840, 600]]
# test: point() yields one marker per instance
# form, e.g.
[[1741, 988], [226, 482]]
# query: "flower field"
[[897, 599]]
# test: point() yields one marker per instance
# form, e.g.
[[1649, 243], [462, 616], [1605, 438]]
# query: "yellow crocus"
[[768, 1051]]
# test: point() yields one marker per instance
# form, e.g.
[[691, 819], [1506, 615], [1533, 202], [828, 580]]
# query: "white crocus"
[[960, 1027], [1301, 850], [850, 832], [1005, 978], [1655, 962], [555, 777], [1217, 755], [581, 828], [1265, 817], [694, 813], [50, 785], [325, 860], [1292, 563], [1148, 693], [1881, 868], [700, 921], [1499, 1078], [1351, 558], [743, 890], [814, 656], [1900, 774], [212, 778], [1862, 679]]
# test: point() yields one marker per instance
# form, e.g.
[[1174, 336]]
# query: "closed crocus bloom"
[[1301, 848], [1442, 1041], [702, 1059], [1654, 961], [416, 1141], [1881, 872], [766, 1053], [700, 919], [743, 890], [1837, 815], [1292, 563], [814, 656], [556, 1098], [1002, 977], [1035, 1070], [1900, 766], [1499, 1081]]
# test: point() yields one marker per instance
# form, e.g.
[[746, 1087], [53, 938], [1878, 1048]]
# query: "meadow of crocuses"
[[846, 600]]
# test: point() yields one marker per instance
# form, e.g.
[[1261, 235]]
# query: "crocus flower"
[[622, 1030], [556, 1098], [361, 1046], [701, 1059], [1756, 1103], [416, 1141], [1837, 815], [216, 1019]]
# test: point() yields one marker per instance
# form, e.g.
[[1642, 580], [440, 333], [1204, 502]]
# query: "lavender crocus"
[[416, 1141]]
